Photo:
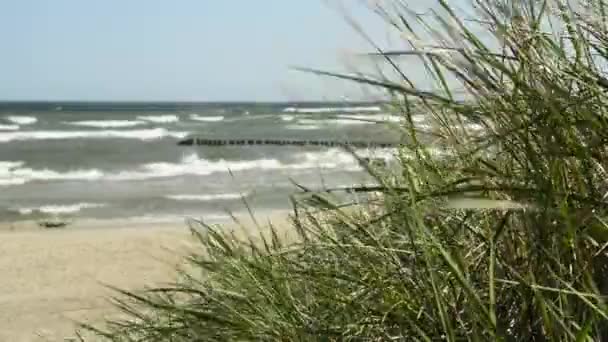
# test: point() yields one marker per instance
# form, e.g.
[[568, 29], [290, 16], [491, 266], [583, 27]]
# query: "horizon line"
[[190, 102]]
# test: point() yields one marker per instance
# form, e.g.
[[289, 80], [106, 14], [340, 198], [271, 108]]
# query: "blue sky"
[[189, 50]]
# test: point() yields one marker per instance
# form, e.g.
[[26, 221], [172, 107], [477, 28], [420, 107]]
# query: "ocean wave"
[[6, 177], [106, 123], [341, 120], [193, 165], [14, 173], [327, 122], [24, 175], [205, 198], [12, 181], [333, 109], [197, 117], [370, 118], [9, 127], [349, 122], [58, 209], [309, 122], [22, 120], [7, 165], [159, 118], [143, 134], [303, 127], [288, 118]]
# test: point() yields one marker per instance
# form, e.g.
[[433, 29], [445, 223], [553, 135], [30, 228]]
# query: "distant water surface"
[[121, 160]]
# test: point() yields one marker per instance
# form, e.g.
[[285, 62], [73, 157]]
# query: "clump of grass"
[[494, 227]]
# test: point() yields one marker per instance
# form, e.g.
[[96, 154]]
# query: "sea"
[[83, 160]]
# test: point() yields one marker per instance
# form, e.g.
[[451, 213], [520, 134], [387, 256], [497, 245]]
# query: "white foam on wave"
[[193, 165], [205, 198], [159, 118], [197, 117], [106, 123], [58, 209], [22, 120], [6, 170], [370, 118], [12, 181], [348, 120], [14, 173], [333, 109], [27, 175], [309, 122], [6, 166], [9, 127], [143, 134], [303, 127], [288, 118], [326, 122]]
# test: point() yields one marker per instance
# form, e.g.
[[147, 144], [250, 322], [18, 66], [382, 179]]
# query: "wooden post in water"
[[282, 142]]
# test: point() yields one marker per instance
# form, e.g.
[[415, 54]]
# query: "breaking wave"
[[22, 120], [16, 173], [159, 118], [333, 109], [57, 209], [370, 118], [143, 134], [106, 123], [197, 117], [303, 127], [9, 127], [205, 198]]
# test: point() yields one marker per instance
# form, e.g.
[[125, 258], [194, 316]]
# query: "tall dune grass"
[[502, 236]]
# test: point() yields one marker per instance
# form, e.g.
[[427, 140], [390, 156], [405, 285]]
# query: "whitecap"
[[309, 122], [6, 173], [12, 181], [22, 120], [106, 123], [206, 197], [304, 127], [333, 109], [144, 134], [67, 209], [13, 173], [193, 165], [7, 165], [370, 118], [46, 174], [349, 122], [197, 117], [58, 209], [9, 127], [159, 118]]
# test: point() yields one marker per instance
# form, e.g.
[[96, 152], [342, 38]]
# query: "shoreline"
[[86, 223], [54, 277]]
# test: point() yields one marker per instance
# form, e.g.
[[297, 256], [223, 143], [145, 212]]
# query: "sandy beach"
[[51, 278]]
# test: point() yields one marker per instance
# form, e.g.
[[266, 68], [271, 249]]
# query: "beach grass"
[[494, 226]]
